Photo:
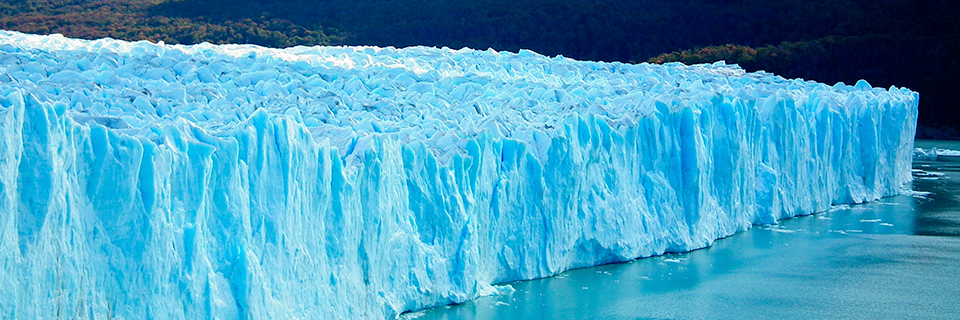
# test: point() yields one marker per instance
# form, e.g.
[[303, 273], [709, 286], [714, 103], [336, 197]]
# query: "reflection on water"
[[895, 258]]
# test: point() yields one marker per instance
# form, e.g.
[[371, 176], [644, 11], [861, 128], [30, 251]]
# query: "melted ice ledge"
[[140, 180]]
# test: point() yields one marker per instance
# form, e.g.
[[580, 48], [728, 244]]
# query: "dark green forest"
[[907, 43]]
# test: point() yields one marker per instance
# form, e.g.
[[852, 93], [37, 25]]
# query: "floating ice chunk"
[[936, 154]]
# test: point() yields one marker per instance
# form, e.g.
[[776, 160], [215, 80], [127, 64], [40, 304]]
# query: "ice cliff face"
[[155, 181]]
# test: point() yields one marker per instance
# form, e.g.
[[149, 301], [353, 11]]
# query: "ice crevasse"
[[142, 180]]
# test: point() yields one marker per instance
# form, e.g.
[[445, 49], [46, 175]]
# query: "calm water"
[[892, 259]]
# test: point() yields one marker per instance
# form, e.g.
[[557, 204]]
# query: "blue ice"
[[142, 180]]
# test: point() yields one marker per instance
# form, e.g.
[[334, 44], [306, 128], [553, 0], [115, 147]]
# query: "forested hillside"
[[911, 43], [143, 20]]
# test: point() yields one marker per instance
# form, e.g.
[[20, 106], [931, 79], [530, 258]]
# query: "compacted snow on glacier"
[[142, 180]]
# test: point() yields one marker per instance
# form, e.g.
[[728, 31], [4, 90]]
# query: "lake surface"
[[891, 259]]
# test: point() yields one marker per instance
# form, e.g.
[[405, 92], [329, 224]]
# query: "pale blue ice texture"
[[143, 180]]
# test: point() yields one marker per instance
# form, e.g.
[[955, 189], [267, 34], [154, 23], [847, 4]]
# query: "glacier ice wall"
[[143, 180]]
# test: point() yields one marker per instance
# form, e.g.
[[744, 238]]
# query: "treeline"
[[608, 30], [888, 42]]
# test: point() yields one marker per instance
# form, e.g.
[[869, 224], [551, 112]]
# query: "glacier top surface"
[[437, 96]]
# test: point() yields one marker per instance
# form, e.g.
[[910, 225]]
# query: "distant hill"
[[887, 42]]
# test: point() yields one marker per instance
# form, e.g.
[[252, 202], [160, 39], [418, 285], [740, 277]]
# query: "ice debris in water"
[[936, 154], [142, 180]]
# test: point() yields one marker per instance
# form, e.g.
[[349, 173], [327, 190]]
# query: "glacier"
[[145, 180]]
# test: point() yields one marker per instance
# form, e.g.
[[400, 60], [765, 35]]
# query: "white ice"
[[142, 180]]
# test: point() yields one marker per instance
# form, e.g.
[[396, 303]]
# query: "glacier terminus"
[[142, 180]]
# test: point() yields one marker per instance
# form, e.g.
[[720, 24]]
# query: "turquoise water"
[[891, 259]]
